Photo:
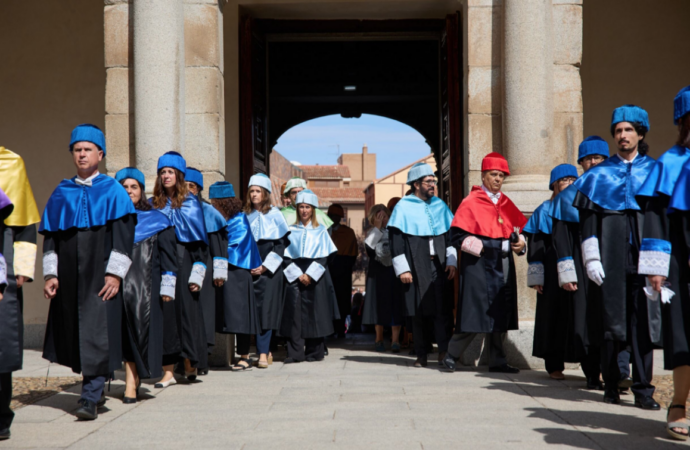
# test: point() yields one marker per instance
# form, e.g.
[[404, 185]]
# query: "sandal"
[[241, 367], [262, 365], [682, 425], [270, 359]]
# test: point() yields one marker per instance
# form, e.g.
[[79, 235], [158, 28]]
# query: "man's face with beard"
[[626, 137], [425, 188]]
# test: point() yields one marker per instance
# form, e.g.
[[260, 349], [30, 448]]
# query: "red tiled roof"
[[335, 171], [328, 196]]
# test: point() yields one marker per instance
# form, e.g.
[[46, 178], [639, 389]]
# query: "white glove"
[[595, 272]]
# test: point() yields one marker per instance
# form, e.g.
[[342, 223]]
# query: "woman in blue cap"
[[148, 290], [310, 304], [664, 257], [236, 311], [171, 196], [550, 327], [270, 231], [572, 277], [218, 258]]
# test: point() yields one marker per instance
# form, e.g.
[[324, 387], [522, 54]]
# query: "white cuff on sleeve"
[[292, 272], [198, 274], [25, 259], [168, 282], [535, 274], [654, 263], [590, 250], [3, 271], [400, 265], [118, 264], [272, 262], [50, 264], [451, 257], [566, 271], [220, 269], [316, 271], [373, 237]]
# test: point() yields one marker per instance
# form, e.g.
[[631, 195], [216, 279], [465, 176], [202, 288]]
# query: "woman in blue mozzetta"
[[172, 197], [148, 290], [664, 251], [270, 231], [236, 311], [550, 325], [218, 258], [309, 296]]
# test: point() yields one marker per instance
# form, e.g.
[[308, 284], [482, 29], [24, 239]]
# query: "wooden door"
[[254, 151], [451, 174]]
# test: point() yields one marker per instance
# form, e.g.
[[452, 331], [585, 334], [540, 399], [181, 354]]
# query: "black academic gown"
[[673, 228], [12, 304], [383, 303], [146, 314], [568, 244], [316, 301], [83, 331], [619, 256], [419, 296], [269, 288], [487, 300], [218, 248], [551, 318]]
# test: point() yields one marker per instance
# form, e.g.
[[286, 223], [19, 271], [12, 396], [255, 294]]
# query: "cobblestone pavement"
[[354, 399]]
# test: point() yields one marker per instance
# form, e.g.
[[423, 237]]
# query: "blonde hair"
[[375, 210], [314, 222]]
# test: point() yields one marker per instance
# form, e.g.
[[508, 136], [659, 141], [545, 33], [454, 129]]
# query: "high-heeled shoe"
[[191, 376], [165, 384], [129, 400]]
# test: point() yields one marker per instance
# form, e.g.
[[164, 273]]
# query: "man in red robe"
[[486, 228]]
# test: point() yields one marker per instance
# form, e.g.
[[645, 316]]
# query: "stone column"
[[159, 82], [528, 113]]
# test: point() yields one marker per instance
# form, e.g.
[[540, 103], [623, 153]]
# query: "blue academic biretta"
[[562, 171], [592, 145], [308, 197], [221, 189], [133, 173], [89, 133], [632, 114], [194, 176], [681, 104], [174, 160], [261, 180], [419, 170]]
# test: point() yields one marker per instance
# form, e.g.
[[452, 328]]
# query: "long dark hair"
[[228, 207], [142, 204], [264, 206], [181, 191]]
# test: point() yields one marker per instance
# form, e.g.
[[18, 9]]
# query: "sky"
[[322, 140]]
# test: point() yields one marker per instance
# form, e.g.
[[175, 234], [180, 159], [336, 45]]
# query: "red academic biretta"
[[495, 161]]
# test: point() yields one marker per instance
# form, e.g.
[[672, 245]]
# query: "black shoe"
[[612, 397], [202, 372], [595, 385], [5, 434], [647, 402], [504, 368], [421, 362], [325, 352], [290, 360], [448, 363], [87, 410], [625, 382], [129, 400]]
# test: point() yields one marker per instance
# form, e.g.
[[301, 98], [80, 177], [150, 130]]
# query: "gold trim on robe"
[[24, 259], [15, 183]]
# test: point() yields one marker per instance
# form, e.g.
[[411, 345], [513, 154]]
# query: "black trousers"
[[6, 414], [244, 341], [641, 347], [299, 348], [439, 322], [590, 365]]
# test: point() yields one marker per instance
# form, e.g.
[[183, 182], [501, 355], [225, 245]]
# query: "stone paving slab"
[[354, 399]]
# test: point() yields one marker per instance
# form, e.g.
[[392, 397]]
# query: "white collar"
[[494, 197], [88, 181], [625, 161]]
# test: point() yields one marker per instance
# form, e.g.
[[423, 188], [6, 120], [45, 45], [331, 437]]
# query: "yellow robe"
[[15, 183]]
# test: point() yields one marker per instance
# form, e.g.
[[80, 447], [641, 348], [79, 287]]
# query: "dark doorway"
[[294, 71]]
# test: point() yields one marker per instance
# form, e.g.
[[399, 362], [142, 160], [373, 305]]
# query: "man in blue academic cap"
[[424, 259], [88, 229], [611, 228]]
